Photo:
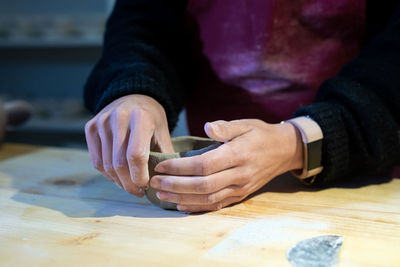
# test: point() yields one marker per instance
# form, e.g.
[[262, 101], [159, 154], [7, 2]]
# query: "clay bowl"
[[184, 146]]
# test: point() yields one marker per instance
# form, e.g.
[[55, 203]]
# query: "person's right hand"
[[121, 136]]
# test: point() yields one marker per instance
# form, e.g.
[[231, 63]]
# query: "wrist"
[[294, 147]]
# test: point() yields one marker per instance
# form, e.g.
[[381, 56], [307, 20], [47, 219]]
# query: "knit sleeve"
[[143, 53], [359, 111]]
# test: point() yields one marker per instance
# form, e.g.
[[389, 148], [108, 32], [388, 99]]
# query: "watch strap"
[[312, 136]]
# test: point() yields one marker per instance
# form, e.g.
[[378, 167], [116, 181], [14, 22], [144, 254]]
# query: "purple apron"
[[266, 58]]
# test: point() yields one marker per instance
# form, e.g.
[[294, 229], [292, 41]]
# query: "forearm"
[[358, 111], [142, 54]]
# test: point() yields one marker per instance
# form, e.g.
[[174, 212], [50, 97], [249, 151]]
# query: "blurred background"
[[47, 50]]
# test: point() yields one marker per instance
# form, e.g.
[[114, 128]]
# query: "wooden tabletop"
[[58, 211]]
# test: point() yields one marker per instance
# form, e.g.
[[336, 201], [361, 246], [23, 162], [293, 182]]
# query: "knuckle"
[[90, 127], [205, 185], [119, 165], [121, 114], [241, 158], [205, 167], [137, 158], [241, 191], [98, 164], [102, 120], [109, 168], [244, 178], [139, 114], [225, 129], [211, 199]]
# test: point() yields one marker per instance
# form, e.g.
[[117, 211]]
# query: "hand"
[[120, 137], [254, 153]]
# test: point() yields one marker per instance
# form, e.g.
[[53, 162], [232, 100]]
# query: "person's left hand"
[[253, 154]]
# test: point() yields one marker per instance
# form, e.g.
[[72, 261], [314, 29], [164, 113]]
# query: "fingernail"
[[162, 196], [181, 207], [209, 125]]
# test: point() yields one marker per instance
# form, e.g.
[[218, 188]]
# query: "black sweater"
[[146, 52]]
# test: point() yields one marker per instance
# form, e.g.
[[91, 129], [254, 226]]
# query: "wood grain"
[[58, 211]]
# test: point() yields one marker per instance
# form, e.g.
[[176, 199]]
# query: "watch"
[[311, 135]]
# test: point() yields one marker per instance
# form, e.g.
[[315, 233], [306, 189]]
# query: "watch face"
[[314, 154]]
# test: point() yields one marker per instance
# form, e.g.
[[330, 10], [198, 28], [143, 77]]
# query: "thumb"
[[224, 131]]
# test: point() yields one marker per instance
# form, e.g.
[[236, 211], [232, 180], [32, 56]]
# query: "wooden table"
[[56, 210]]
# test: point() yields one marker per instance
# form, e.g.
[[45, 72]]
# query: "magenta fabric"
[[266, 58], [395, 172]]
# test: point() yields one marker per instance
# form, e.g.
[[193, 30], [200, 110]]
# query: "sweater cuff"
[[139, 83], [335, 146]]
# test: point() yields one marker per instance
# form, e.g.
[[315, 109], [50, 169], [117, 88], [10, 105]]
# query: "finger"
[[196, 199], [120, 163], [223, 131], [94, 146], [162, 141], [138, 149], [198, 184], [221, 158], [106, 147], [95, 150], [214, 207]]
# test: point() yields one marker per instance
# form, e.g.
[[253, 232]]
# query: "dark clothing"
[[147, 50]]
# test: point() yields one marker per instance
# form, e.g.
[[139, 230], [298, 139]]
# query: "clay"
[[317, 251], [13, 113], [184, 146]]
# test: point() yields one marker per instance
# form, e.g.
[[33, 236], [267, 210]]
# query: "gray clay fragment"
[[184, 146], [322, 251]]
